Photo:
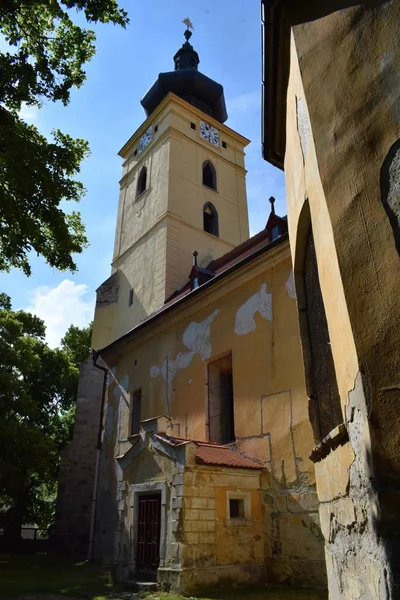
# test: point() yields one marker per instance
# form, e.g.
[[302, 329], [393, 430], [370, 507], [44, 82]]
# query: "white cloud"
[[248, 102], [61, 306], [28, 113]]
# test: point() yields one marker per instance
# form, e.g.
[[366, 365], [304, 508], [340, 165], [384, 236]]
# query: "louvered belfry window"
[[326, 401]]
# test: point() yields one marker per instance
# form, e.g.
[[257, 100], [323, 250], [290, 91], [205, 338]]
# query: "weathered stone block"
[[191, 538], [197, 526], [206, 538], [210, 503], [191, 514], [207, 514], [177, 502], [199, 503]]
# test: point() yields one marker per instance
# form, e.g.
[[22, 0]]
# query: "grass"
[[43, 574], [247, 594]]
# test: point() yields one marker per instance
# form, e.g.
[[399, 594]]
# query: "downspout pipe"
[[95, 356]]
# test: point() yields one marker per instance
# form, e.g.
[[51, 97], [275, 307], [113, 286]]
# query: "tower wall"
[[158, 230]]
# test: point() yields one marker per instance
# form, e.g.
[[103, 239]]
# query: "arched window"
[[142, 181], [210, 219], [326, 412], [209, 175]]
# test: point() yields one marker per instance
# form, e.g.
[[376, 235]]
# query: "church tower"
[[183, 188]]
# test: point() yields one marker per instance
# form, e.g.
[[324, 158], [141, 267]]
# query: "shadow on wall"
[[390, 189]]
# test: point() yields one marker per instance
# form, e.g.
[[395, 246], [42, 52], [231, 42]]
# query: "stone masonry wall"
[[77, 470], [216, 549]]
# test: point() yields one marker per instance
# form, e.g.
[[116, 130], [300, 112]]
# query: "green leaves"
[[38, 388], [35, 176], [47, 52], [76, 343]]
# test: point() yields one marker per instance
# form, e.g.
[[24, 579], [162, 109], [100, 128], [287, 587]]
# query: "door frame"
[[141, 489]]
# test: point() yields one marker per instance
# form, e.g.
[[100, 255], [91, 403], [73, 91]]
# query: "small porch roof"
[[211, 453]]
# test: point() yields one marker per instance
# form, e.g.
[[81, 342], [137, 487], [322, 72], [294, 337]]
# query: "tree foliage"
[[37, 396], [44, 61], [76, 343]]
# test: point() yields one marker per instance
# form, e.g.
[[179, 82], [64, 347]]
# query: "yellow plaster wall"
[[266, 361], [210, 537], [303, 184], [333, 161], [270, 402]]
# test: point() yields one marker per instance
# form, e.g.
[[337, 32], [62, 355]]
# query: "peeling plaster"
[[303, 125], [196, 337], [290, 288], [390, 189], [393, 198], [154, 371], [353, 546], [261, 302]]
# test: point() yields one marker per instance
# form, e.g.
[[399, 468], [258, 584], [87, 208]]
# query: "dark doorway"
[[148, 536], [220, 401]]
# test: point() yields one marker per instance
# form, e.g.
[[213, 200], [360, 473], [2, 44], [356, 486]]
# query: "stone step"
[[143, 586]]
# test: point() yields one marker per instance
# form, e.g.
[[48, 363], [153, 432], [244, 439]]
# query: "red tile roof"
[[229, 259], [211, 453], [223, 457]]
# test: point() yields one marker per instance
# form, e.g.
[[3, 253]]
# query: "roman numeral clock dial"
[[209, 133]]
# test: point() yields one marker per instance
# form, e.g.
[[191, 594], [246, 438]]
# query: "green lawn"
[[42, 574]]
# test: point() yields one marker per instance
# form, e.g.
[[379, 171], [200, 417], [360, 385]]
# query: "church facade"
[[239, 421], [190, 458]]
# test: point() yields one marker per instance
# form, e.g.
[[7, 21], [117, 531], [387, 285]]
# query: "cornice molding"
[[171, 99]]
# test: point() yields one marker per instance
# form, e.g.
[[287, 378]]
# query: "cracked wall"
[[255, 319], [343, 172]]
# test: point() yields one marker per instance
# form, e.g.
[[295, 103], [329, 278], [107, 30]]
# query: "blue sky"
[[106, 111]]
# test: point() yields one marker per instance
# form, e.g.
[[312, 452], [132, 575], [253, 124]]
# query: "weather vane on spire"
[[188, 23]]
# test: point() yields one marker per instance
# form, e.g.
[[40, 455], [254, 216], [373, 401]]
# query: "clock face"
[[145, 139], [209, 133]]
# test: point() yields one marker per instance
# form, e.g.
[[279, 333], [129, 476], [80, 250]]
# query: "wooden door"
[[148, 534]]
